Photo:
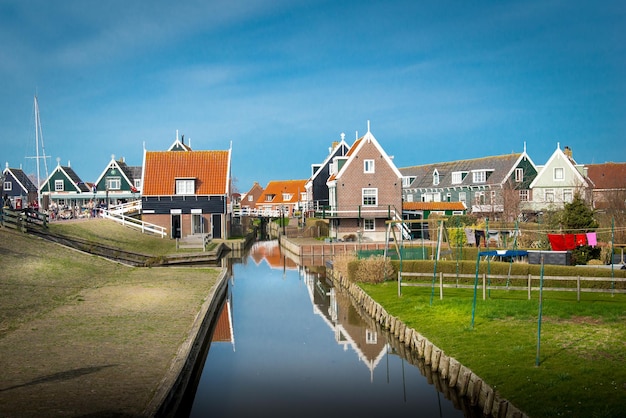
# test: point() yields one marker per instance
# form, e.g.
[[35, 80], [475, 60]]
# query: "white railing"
[[145, 227], [133, 206], [265, 213]]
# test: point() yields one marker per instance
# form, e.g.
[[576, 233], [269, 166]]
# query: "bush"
[[374, 269]]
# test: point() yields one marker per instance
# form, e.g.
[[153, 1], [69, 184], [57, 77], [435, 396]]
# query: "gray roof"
[[497, 167], [24, 180]]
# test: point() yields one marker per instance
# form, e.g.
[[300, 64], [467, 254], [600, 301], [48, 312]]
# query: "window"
[[113, 183], [370, 197], [58, 186], [519, 175], [463, 197], [409, 197], [368, 166], [406, 181], [523, 195], [137, 183], [457, 177], [8, 186], [549, 195], [558, 173], [479, 176], [371, 337], [269, 197], [435, 178], [185, 186], [369, 225], [479, 197], [287, 197], [568, 196], [250, 198]]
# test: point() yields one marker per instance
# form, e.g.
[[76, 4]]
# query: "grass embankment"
[[83, 335], [582, 347]]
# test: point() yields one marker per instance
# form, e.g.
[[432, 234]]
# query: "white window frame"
[[369, 225], [479, 176], [479, 197], [435, 178], [368, 166], [524, 195], [559, 174], [549, 195], [113, 183], [59, 185], [519, 175], [568, 195], [250, 198], [409, 197], [8, 186], [287, 197], [407, 180], [463, 197], [369, 196], [457, 177], [185, 187]]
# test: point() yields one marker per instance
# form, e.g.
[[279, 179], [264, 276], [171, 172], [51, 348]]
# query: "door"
[[216, 221], [197, 224], [176, 232]]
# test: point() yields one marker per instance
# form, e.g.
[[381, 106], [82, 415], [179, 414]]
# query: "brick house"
[[187, 192], [286, 196], [608, 181], [365, 191]]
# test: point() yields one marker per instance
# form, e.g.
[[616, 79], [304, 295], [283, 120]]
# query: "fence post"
[[441, 285], [529, 282], [484, 286], [578, 288], [399, 283]]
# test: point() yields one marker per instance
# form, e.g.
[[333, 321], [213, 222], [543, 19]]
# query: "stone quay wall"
[[450, 372]]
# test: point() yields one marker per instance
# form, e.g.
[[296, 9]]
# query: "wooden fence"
[[532, 283], [24, 220]]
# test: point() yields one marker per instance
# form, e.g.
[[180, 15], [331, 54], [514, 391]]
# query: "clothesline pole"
[[612, 249]]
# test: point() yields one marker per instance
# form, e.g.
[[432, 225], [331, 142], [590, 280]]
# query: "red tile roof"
[[208, 168], [433, 206], [608, 175], [278, 187]]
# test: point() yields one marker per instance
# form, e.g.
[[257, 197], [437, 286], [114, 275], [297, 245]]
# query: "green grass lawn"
[[582, 356]]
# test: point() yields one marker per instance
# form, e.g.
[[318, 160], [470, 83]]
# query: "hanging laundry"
[[592, 239], [469, 234], [581, 239], [494, 236], [562, 242], [557, 242], [478, 235]]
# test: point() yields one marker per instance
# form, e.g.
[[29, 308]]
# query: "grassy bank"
[[581, 362], [82, 335]]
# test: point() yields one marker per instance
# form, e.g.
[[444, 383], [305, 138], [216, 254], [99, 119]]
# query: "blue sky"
[[281, 80]]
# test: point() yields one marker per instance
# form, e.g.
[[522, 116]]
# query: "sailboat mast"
[[38, 138]]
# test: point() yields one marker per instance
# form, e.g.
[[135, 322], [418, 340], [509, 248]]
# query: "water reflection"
[[302, 349]]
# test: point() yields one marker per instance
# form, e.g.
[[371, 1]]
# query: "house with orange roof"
[[365, 191], [283, 196], [187, 192]]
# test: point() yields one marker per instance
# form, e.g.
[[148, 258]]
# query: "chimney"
[[568, 152]]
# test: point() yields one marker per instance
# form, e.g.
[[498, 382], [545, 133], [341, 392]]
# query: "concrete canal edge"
[[184, 367], [457, 376]]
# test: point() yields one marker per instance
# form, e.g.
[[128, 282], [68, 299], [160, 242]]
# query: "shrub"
[[374, 269]]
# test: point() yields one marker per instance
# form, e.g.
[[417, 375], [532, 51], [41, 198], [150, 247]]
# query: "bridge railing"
[[145, 227]]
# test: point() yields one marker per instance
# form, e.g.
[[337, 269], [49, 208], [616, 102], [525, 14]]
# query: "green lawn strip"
[[582, 352]]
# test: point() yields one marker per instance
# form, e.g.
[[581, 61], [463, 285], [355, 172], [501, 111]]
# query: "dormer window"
[[480, 176], [368, 166], [113, 183], [435, 178], [58, 186], [407, 180], [269, 197], [287, 197], [458, 176], [185, 186]]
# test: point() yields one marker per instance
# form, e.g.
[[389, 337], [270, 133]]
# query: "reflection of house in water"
[[223, 331], [271, 253], [350, 329]]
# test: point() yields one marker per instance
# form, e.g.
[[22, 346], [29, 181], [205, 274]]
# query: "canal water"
[[287, 344]]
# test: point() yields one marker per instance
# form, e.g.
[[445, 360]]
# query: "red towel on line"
[[564, 242], [581, 239]]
